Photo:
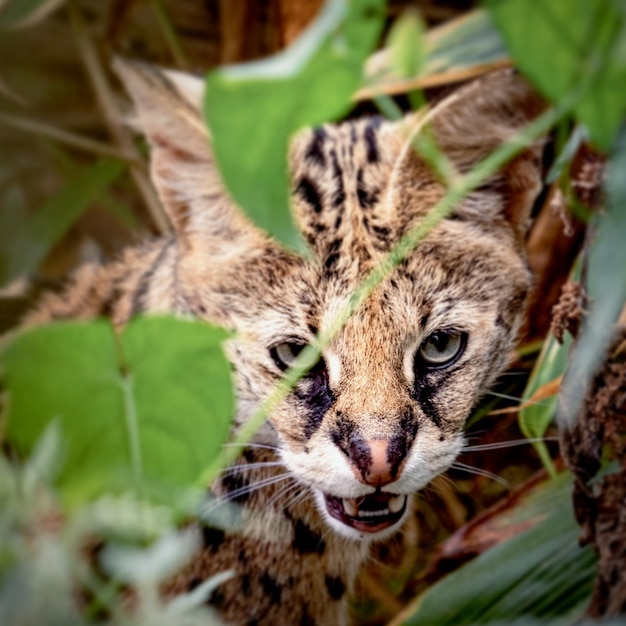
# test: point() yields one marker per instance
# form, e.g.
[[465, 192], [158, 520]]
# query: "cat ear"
[[168, 109], [473, 122]]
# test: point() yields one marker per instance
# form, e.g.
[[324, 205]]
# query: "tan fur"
[[373, 420]]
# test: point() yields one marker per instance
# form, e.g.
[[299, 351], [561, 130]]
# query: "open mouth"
[[369, 514]]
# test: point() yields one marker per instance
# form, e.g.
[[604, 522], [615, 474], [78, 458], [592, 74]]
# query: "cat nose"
[[375, 462]]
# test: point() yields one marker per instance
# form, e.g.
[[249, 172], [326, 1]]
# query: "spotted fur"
[[373, 419]]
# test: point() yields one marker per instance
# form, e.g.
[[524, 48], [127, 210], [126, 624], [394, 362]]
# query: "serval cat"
[[336, 465]]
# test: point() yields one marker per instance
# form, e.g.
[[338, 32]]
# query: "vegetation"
[[89, 511]]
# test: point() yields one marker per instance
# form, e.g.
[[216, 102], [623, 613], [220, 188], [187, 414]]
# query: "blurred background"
[[74, 188]]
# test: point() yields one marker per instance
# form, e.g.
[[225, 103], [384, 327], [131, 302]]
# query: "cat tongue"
[[371, 513]]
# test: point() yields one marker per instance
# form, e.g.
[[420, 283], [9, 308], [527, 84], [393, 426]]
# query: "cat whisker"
[[232, 469], [250, 444], [283, 493], [511, 373], [264, 482], [436, 488], [481, 472], [506, 444], [476, 434], [245, 490], [299, 496], [516, 399], [503, 396]]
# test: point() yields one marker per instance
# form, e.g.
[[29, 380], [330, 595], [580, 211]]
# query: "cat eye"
[[285, 354], [441, 348]]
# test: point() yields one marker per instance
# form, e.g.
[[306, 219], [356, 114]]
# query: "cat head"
[[383, 410]]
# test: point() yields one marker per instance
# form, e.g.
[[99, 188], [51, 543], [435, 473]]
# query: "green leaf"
[[23, 249], [24, 13], [577, 137], [550, 365], [541, 573], [148, 410], [567, 45], [406, 44], [606, 287], [461, 48], [466, 41], [535, 419], [253, 109]]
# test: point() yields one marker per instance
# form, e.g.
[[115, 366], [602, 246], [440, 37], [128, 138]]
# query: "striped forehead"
[[340, 175], [349, 146]]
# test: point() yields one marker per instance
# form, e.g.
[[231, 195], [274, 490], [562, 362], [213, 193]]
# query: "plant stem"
[[61, 135], [169, 34], [112, 117]]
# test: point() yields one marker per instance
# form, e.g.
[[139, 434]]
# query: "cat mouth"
[[370, 514]]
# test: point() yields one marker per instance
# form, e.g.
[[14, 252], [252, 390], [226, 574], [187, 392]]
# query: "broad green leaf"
[[254, 108], [540, 574], [24, 13], [147, 410], [605, 284], [23, 249], [568, 45]]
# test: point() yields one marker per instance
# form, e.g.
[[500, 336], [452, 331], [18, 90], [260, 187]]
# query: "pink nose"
[[379, 459], [380, 470], [371, 462]]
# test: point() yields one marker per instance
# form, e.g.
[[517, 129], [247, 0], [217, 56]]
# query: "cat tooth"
[[350, 507], [396, 504]]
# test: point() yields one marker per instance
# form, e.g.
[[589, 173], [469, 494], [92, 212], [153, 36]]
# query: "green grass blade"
[[24, 13], [22, 251]]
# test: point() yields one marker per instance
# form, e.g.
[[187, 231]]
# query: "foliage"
[[310, 83], [462, 48], [587, 44], [606, 284], [587, 64], [406, 44], [133, 411], [24, 246], [536, 417], [96, 415], [44, 556], [24, 13], [541, 573]]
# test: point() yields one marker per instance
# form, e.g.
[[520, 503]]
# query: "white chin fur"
[[351, 533]]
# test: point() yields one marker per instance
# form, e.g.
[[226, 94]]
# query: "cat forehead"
[[346, 165], [354, 142], [347, 190], [447, 279]]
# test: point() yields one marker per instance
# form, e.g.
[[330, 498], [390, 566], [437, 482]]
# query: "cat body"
[[338, 461]]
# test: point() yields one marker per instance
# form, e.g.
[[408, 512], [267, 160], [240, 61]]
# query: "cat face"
[[382, 411]]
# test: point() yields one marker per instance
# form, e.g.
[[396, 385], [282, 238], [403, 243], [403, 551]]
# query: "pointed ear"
[[476, 120], [168, 110]]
